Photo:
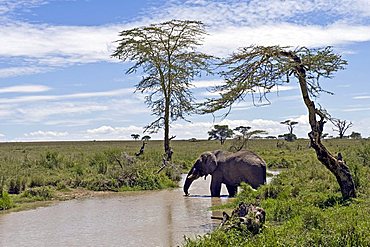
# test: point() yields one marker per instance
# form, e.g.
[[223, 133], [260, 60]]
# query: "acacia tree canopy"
[[256, 70], [166, 55], [246, 134], [135, 136], [290, 124], [221, 133], [290, 136]]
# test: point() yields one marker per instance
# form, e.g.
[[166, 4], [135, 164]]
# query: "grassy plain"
[[46, 171], [303, 204]]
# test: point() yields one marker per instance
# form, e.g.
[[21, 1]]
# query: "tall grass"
[[34, 171], [303, 204]]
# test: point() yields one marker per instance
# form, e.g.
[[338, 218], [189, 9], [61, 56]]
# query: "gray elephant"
[[228, 168]]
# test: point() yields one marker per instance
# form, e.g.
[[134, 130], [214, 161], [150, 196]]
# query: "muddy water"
[[154, 218]]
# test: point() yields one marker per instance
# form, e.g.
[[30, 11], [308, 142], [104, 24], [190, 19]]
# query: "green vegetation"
[[44, 171], [303, 205]]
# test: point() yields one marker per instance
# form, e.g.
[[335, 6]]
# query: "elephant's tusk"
[[190, 176]]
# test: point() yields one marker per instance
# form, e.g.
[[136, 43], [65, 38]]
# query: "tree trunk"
[[167, 148], [336, 166]]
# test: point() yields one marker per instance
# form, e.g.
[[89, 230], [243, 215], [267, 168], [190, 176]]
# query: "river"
[[149, 218]]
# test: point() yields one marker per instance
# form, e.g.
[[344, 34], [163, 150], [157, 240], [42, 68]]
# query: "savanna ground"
[[303, 204]]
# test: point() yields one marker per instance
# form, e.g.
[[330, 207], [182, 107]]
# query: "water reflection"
[[153, 218], [157, 218]]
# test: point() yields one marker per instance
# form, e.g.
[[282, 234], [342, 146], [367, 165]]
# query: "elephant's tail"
[[264, 174]]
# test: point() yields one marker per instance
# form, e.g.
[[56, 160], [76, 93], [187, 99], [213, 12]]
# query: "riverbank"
[[304, 207], [58, 196]]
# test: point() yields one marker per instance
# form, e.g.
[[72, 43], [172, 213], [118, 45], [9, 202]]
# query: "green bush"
[[279, 163], [37, 180], [51, 160], [99, 161], [5, 201], [39, 193], [17, 185]]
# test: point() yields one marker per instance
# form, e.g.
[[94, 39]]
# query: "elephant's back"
[[245, 166], [247, 158]]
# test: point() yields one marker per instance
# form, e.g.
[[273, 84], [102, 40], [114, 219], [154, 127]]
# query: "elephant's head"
[[205, 164]]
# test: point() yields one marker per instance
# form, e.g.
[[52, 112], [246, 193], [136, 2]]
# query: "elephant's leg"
[[233, 190], [215, 188]]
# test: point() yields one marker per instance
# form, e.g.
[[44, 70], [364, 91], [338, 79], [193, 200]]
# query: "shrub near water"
[[117, 171], [5, 201]]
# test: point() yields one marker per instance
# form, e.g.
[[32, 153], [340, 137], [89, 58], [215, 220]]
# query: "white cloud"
[[356, 109], [59, 110], [35, 98], [43, 134], [257, 12], [231, 24], [7, 6], [362, 97], [72, 111], [101, 130], [361, 126], [25, 89], [112, 133], [221, 42], [58, 45], [19, 71], [207, 83]]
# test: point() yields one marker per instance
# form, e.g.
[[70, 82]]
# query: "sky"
[[58, 80]]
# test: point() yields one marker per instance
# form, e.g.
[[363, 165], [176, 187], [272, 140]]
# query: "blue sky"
[[58, 81]]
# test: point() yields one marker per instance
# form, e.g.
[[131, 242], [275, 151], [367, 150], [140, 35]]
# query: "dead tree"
[[341, 126], [141, 150], [259, 69]]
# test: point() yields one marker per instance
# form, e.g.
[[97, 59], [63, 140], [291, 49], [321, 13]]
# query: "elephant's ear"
[[209, 162]]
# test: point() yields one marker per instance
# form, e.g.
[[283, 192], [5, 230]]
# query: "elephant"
[[228, 168]]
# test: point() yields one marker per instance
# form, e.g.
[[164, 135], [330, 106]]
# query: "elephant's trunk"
[[187, 184], [189, 180]]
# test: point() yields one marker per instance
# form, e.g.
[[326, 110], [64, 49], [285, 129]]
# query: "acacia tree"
[[135, 136], [146, 138], [290, 124], [166, 54], [221, 133], [341, 126], [245, 135], [258, 69]]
